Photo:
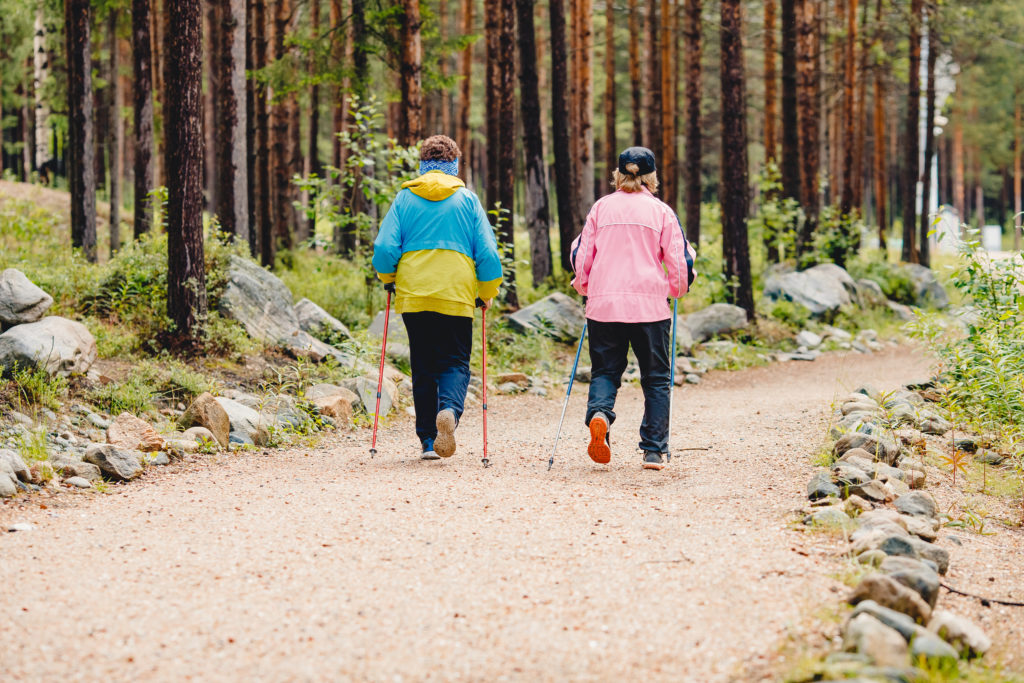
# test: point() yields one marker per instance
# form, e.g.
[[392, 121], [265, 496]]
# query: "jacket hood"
[[434, 185]]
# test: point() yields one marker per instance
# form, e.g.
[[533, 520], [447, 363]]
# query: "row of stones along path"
[[321, 563]]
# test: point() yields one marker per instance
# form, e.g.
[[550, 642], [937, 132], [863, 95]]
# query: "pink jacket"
[[631, 256]]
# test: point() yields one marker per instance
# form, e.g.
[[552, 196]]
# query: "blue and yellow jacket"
[[437, 246]]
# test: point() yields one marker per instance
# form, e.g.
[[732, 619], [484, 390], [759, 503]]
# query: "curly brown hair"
[[439, 148]]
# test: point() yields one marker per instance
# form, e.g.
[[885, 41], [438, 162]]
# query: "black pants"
[[609, 344], [440, 346]]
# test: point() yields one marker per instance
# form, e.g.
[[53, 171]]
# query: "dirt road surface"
[[322, 564]]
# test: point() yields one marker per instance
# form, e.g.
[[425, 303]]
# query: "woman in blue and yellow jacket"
[[437, 249]]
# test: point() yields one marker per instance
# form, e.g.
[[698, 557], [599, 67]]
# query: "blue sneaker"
[[428, 451]]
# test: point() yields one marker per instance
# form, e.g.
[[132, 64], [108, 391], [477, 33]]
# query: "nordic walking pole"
[[568, 391], [482, 305], [390, 287], [672, 377]]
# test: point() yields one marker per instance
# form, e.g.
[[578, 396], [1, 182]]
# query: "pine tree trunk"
[[929, 146], [445, 66], [501, 127], [568, 218], [41, 70], [861, 121], [250, 134], [771, 113], [464, 136], [670, 185], [157, 35], [692, 29], [808, 76], [881, 163], [313, 140], [634, 72], [611, 150], [492, 36], [411, 121], [281, 135], [264, 191], [586, 101], [911, 171], [186, 277], [959, 186], [735, 197], [116, 138], [210, 29], [82, 171], [790, 167], [849, 84], [538, 220], [228, 70], [1017, 158], [142, 97], [654, 94]]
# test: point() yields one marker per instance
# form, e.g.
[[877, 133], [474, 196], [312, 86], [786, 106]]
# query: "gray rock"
[[808, 339], [989, 458], [967, 444], [583, 374], [934, 650], [201, 435], [872, 490], [961, 633], [57, 345], [510, 388], [14, 464], [399, 353], [245, 420], [318, 322], [822, 289], [78, 482], [692, 378], [890, 593], [240, 439], [98, 421], [396, 327], [84, 470], [918, 503], [684, 337], [830, 517], [556, 315], [845, 474], [898, 621], [898, 545], [366, 388], [836, 333], [716, 319], [922, 527], [800, 355], [873, 558], [7, 485], [159, 459], [880, 447], [913, 574], [821, 486], [262, 303], [871, 293], [20, 300], [901, 311], [934, 425], [114, 462], [882, 644], [928, 293], [929, 551]]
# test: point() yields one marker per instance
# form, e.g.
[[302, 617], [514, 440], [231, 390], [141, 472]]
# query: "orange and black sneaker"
[[653, 461], [599, 449]]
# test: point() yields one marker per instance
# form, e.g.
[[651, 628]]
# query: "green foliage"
[[163, 379], [794, 315], [836, 239], [133, 395], [35, 387], [33, 446], [893, 279], [778, 217], [335, 283]]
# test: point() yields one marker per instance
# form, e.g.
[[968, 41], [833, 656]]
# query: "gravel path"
[[321, 563]]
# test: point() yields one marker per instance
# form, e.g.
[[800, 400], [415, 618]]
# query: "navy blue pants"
[[440, 346], [609, 346]]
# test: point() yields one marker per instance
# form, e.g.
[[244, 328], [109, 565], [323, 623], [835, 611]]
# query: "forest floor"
[[322, 563]]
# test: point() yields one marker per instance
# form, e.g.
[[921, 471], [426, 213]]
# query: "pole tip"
[[373, 452], [487, 462], [551, 462]]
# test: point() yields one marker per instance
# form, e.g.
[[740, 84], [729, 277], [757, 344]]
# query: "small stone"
[[7, 485], [917, 503], [182, 446], [858, 407], [899, 621], [890, 593], [914, 476], [855, 504], [583, 374], [206, 412], [201, 435], [933, 650], [845, 474], [935, 426], [869, 636], [922, 528], [897, 545], [873, 558], [914, 574], [160, 459], [338, 407], [240, 439], [85, 470], [898, 487], [12, 462], [808, 339], [97, 421], [114, 462], [879, 447], [873, 490], [967, 444], [509, 388], [961, 633], [539, 391], [78, 483], [821, 486], [830, 517], [20, 526], [932, 552], [515, 378], [245, 420], [692, 378], [131, 433], [989, 458]]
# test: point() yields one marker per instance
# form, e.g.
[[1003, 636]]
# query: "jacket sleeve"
[[485, 255], [677, 255], [584, 249], [387, 248]]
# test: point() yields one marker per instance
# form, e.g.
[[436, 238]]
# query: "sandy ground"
[[316, 564]]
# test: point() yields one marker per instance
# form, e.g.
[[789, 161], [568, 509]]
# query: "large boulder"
[[556, 315], [262, 303], [396, 327], [822, 289], [319, 322], [12, 462], [928, 293], [57, 345], [20, 300], [245, 421], [205, 411], [714, 320], [114, 462]]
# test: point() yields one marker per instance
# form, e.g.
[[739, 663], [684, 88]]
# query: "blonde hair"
[[631, 182]]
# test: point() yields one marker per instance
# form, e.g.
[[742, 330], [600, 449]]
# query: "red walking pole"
[[380, 376], [483, 334]]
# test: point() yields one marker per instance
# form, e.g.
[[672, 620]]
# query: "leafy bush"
[[893, 279], [777, 219], [836, 239], [794, 315], [34, 387], [133, 395]]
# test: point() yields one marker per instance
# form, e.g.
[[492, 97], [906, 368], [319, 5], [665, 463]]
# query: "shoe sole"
[[654, 466], [599, 450], [430, 456], [444, 444]]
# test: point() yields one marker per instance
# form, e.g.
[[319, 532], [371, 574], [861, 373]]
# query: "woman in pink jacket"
[[630, 258]]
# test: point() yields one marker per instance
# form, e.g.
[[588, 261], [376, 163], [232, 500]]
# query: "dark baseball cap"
[[641, 156]]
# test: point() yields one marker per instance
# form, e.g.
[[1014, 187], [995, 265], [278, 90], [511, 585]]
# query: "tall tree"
[[411, 122], [537, 212], [692, 29], [186, 277], [670, 186], [924, 251], [911, 145], [849, 85], [228, 70], [464, 136], [808, 76], [735, 196], [879, 133], [82, 172], [142, 97], [501, 125], [313, 131], [611, 151], [790, 167], [583, 100], [1018, 155], [284, 116], [771, 113], [446, 95], [653, 90], [634, 72], [264, 188], [569, 208], [115, 140]]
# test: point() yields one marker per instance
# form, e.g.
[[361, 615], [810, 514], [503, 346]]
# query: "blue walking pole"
[[568, 391], [672, 376]]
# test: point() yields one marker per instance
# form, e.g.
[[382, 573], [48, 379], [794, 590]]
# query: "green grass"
[[33, 446]]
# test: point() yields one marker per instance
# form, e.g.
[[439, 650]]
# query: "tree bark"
[[654, 94], [82, 171], [116, 138], [228, 70], [313, 133], [464, 136], [735, 197], [911, 146], [849, 88], [411, 122], [959, 186], [142, 97], [790, 167], [611, 151], [692, 30], [669, 184], [881, 164], [41, 70], [584, 100], [446, 94], [538, 220], [569, 209], [1017, 158], [186, 276], [634, 72], [808, 75], [265, 191], [282, 135], [157, 35], [250, 133], [771, 113], [925, 257], [860, 135]]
